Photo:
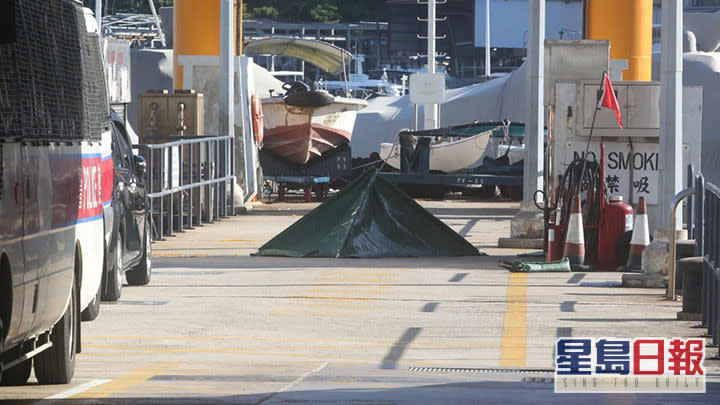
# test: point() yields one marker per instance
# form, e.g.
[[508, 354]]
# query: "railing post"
[[151, 187], [691, 228], [162, 198], [223, 164], [700, 244], [192, 190], [200, 179], [208, 188], [218, 197], [232, 170], [171, 206], [181, 197]]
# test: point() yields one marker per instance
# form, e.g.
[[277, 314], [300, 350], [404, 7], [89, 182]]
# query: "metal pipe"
[[670, 293]]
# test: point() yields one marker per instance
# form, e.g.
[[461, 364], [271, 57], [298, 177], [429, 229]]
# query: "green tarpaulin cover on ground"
[[368, 218]]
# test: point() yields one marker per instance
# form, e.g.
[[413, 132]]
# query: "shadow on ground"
[[480, 392]]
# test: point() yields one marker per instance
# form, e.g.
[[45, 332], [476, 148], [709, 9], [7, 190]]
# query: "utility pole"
[[487, 38], [671, 101], [431, 111]]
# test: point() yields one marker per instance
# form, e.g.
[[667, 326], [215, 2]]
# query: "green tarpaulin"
[[368, 218]]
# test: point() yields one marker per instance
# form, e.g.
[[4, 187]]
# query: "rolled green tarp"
[[560, 266]]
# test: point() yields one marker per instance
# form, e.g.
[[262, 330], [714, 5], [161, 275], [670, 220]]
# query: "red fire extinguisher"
[[616, 218]]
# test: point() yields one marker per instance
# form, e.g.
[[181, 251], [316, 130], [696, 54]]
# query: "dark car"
[[127, 220]]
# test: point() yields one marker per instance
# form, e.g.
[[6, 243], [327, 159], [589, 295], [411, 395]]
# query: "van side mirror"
[[140, 166]]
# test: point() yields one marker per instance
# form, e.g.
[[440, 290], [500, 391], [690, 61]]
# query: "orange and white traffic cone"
[[575, 240], [640, 236]]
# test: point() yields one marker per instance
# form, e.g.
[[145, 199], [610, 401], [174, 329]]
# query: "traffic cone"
[[640, 236], [575, 240]]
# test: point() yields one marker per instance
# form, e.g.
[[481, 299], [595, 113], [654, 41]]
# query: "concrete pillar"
[[527, 227], [628, 26], [227, 68], [671, 102], [534, 123]]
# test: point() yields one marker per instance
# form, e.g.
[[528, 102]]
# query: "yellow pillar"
[[628, 26], [196, 27]]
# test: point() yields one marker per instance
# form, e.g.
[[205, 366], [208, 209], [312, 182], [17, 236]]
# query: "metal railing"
[[708, 243], [191, 180], [671, 292]]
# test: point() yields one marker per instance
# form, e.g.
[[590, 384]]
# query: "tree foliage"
[[282, 10], [320, 10]]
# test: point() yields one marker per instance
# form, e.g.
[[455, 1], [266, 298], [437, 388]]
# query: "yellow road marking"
[[179, 255], [238, 240], [513, 349], [124, 382]]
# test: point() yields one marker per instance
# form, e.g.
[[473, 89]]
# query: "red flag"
[[608, 99]]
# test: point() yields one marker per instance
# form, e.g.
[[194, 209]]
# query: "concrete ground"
[[216, 325]]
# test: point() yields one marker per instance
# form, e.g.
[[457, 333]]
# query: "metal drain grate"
[[482, 370], [540, 380]]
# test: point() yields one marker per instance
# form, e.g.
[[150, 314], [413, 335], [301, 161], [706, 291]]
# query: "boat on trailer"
[[451, 149], [306, 123]]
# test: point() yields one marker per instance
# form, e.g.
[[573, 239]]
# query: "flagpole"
[[587, 147]]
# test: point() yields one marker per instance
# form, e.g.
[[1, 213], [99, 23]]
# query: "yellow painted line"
[[513, 349], [238, 240], [179, 255], [122, 383], [190, 388]]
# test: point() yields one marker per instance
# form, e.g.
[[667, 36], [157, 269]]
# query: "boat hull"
[[444, 156], [300, 134]]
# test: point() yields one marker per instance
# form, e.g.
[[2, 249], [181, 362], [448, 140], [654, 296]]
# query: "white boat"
[[361, 86], [447, 154], [307, 123], [302, 133]]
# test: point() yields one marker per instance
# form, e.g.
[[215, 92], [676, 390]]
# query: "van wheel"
[[113, 285], [93, 309], [56, 365], [17, 375], [140, 274]]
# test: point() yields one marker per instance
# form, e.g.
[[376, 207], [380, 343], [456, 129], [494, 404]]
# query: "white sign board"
[[627, 171], [117, 70], [172, 159], [427, 88]]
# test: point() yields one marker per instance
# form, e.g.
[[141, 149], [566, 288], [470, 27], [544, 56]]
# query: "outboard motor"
[[299, 94]]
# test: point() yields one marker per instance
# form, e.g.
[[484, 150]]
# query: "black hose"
[[583, 176]]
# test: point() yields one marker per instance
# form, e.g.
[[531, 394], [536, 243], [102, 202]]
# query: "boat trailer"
[[314, 176]]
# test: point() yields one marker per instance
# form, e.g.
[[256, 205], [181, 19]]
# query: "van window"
[[8, 33]]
